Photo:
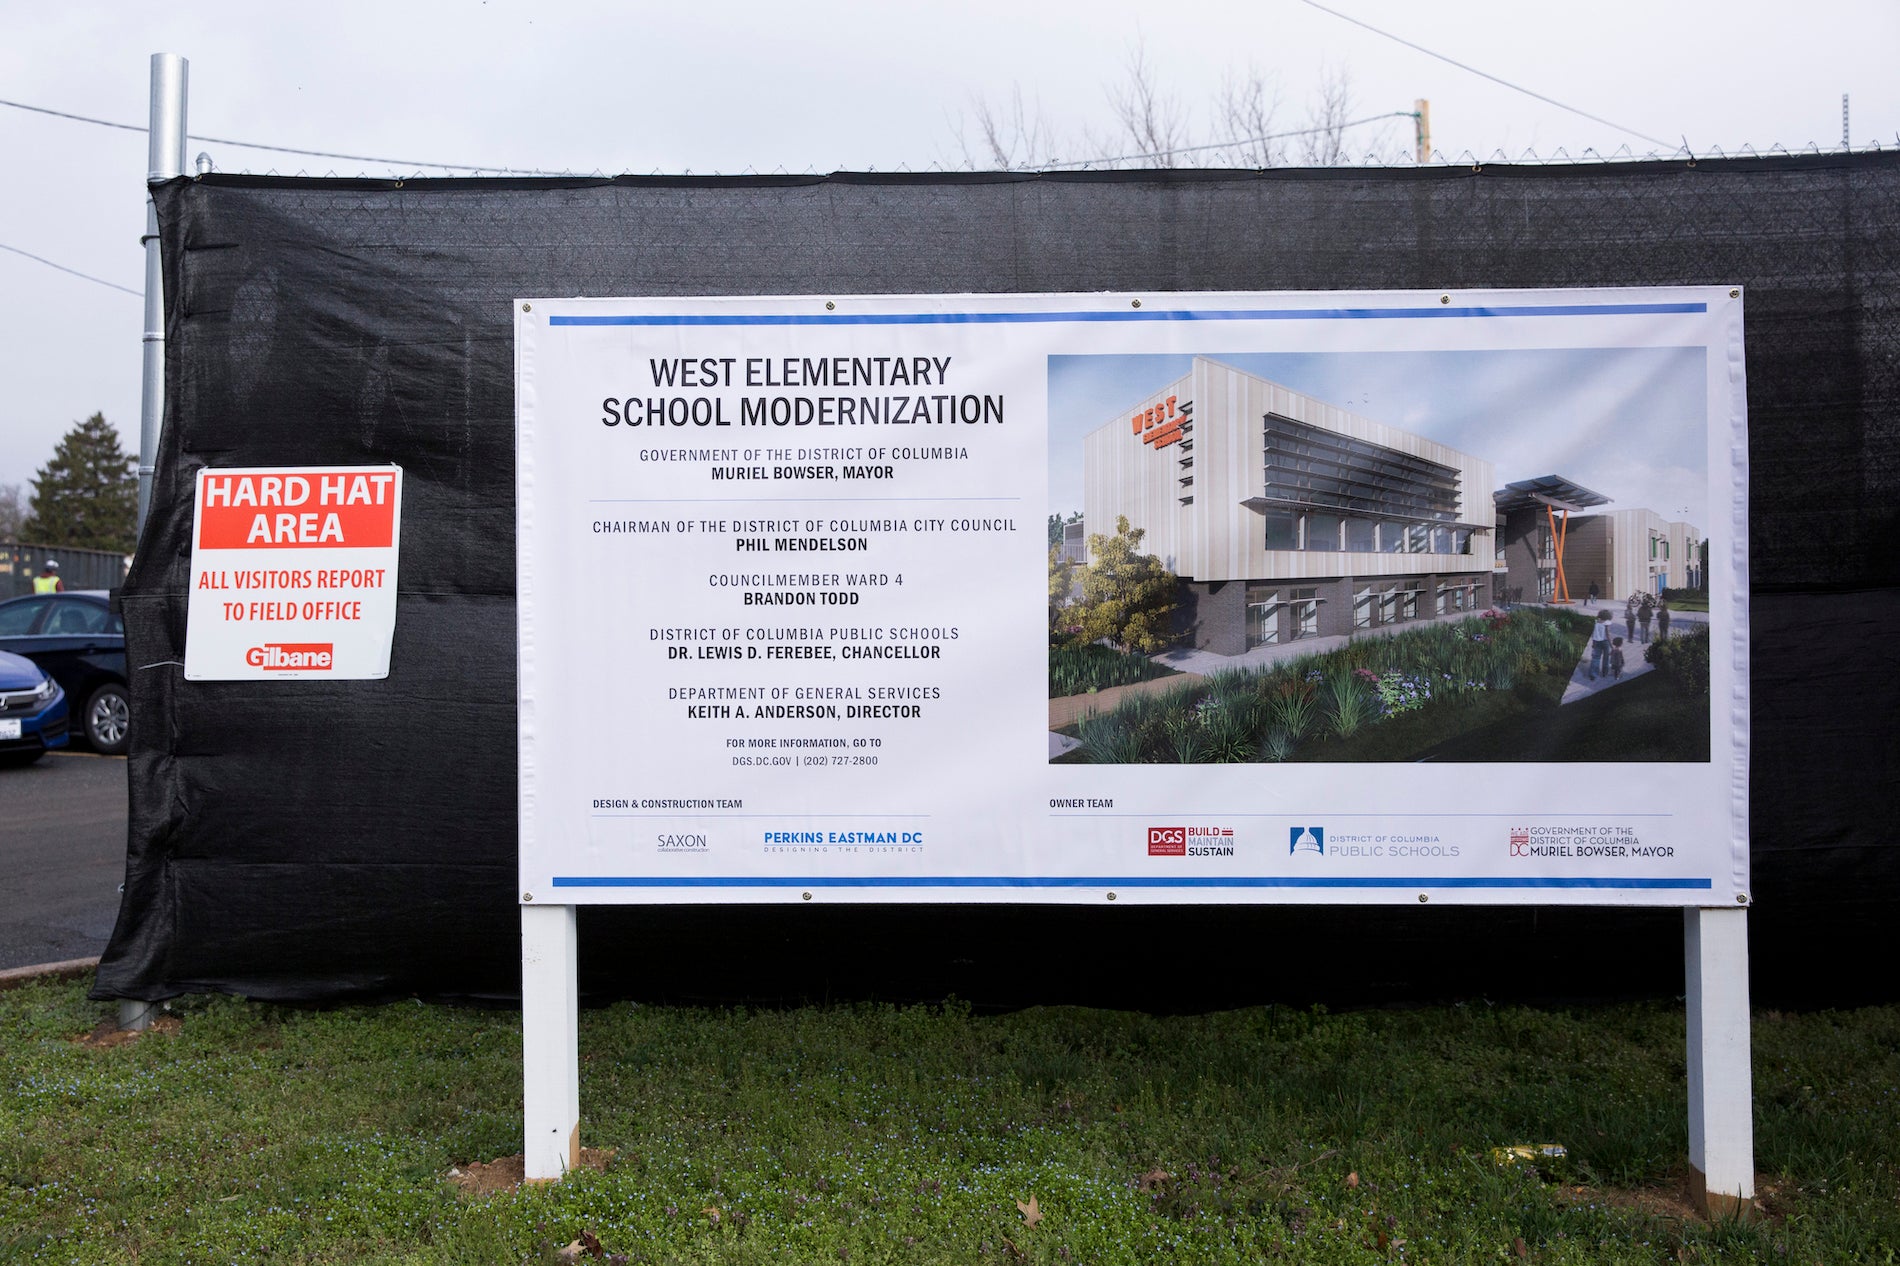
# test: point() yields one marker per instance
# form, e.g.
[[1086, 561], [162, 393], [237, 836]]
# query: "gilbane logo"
[[278, 656]]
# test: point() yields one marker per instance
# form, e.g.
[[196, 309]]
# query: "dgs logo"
[[1167, 841]]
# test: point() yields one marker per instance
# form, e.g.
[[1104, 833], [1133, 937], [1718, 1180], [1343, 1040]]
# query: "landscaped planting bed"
[[1377, 698]]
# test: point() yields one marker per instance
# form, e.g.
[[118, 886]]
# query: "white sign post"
[[832, 598]]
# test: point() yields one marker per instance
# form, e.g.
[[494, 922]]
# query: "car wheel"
[[108, 720]]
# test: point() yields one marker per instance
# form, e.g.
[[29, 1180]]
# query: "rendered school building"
[[1554, 544], [1287, 517]]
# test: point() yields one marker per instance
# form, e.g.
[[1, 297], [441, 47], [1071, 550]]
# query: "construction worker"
[[48, 580]]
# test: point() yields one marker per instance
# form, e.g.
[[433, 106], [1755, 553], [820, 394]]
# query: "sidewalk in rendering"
[[1634, 665]]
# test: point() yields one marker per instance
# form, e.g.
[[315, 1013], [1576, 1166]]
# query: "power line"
[[41, 259], [286, 149], [1237, 141], [1594, 118]]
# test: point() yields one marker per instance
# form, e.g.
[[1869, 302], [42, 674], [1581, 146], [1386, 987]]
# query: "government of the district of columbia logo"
[[1306, 839], [1520, 841]]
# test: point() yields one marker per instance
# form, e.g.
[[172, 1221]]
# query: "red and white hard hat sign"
[[293, 572]]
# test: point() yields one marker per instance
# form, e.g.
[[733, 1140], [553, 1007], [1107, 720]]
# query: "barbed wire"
[[1236, 143]]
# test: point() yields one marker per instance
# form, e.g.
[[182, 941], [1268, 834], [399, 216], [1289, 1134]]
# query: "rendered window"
[[1441, 540], [1322, 532], [1461, 541], [1263, 621], [1411, 592], [1362, 536], [1305, 612], [1362, 608], [1283, 531], [1389, 607], [1418, 539]]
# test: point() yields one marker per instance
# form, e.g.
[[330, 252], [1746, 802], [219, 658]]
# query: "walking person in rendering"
[[1662, 619], [1643, 612], [1629, 614], [1600, 645], [1616, 660]]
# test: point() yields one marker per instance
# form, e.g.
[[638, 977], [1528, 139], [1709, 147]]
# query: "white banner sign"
[[293, 572], [1164, 597]]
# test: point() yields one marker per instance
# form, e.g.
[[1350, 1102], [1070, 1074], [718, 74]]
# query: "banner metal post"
[[1721, 1090], [550, 1043], [165, 158]]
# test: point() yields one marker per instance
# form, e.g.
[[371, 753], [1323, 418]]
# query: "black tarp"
[[318, 840]]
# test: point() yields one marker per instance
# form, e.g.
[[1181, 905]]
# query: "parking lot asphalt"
[[62, 856]]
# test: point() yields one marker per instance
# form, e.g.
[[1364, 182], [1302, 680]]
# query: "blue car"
[[32, 711]]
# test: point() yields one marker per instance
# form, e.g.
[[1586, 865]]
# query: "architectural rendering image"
[[1287, 517], [1257, 573]]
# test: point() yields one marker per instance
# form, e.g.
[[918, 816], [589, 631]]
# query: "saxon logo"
[[1167, 841]]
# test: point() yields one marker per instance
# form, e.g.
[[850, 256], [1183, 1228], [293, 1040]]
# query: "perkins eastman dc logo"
[[279, 656], [1306, 839]]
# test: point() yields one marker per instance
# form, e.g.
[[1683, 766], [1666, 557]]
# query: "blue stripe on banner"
[[1180, 314], [1116, 881]]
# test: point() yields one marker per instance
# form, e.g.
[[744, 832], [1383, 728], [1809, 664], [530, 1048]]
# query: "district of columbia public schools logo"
[[1306, 839]]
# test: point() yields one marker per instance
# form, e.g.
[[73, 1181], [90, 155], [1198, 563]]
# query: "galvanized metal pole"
[[165, 158]]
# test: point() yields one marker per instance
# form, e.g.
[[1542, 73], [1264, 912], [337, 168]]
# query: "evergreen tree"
[[1128, 597], [87, 496]]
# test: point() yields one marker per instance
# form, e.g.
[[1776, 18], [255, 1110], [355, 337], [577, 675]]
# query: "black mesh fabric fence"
[[314, 840]]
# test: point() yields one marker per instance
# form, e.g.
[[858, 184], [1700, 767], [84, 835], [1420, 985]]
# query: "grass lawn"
[[1645, 719], [875, 1134]]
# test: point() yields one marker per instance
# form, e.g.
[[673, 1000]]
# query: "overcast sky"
[[821, 85]]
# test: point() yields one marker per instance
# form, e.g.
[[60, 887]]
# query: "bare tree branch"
[[1245, 112], [1013, 138], [1152, 119], [1330, 109]]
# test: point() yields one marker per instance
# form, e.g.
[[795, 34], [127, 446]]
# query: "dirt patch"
[[108, 1033], [1674, 1202], [485, 1178]]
